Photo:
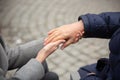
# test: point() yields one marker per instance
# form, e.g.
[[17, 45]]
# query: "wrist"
[[80, 27], [41, 57]]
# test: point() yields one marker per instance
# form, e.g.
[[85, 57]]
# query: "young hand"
[[48, 49], [71, 33]]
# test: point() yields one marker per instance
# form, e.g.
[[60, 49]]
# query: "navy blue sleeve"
[[102, 25]]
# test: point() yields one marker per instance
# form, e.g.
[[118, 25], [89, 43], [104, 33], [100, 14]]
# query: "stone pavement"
[[26, 20]]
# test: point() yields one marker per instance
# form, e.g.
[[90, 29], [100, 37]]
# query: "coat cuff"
[[85, 20], [33, 70]]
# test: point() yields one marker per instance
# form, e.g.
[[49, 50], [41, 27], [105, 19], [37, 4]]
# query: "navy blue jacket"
[[106, 25]]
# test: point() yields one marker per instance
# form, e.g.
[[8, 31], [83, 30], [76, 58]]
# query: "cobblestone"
[[26, 20]]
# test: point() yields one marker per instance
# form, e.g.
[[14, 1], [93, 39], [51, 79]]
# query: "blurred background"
[[26, 20]]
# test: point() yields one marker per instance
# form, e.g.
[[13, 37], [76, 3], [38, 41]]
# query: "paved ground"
[[26, 20]]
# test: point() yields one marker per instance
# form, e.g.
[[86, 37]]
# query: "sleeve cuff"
[[84, 18], [33, 70]]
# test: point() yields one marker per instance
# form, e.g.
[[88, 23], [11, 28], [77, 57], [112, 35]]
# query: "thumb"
[[51, 31], [66, 44]]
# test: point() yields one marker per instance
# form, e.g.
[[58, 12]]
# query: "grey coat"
[[21, 57]]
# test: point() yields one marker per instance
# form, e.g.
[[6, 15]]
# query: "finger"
[[57, 38], [78, 35], [76, 40], [51, 31], [66, 44], [50, 38], [53, 45], [45, 39], [81, 33], [52, 50], [57, 43]]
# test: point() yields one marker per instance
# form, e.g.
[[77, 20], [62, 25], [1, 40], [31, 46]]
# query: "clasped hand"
[[48, 49], [71, 33], [67, 34]]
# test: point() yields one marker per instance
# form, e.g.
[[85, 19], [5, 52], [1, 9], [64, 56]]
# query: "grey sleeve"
[[33, 70], [20, 55]]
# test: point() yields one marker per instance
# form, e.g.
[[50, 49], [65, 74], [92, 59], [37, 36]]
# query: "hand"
[[48, 49], [71, 33]]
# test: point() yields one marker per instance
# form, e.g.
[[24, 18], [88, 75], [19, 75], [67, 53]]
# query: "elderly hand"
[[71, 33], [48, 49]]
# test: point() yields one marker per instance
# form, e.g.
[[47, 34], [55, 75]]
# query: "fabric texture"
[[22, 57], [102, 25], [105, 25]]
